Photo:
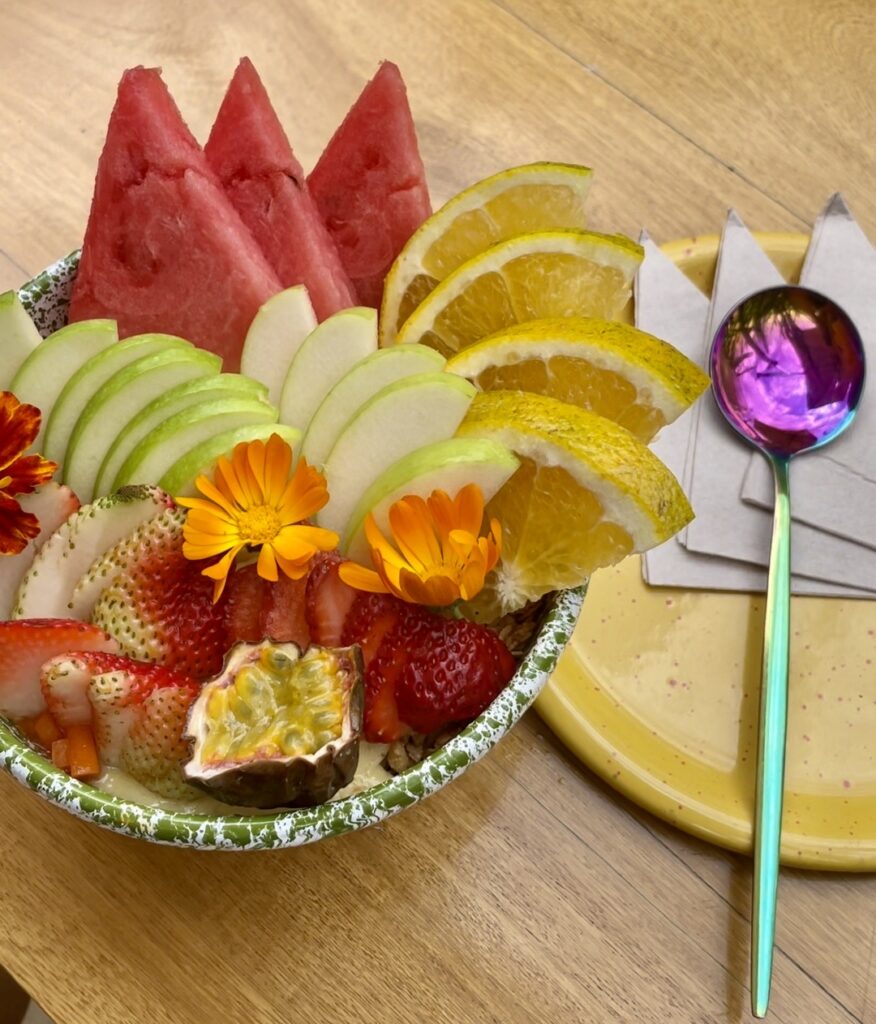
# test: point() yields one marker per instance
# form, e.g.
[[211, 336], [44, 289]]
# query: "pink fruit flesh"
[[370, 183], [164, 249], [251, 155]]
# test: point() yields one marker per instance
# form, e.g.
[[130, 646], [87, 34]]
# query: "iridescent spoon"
[[787, 372]]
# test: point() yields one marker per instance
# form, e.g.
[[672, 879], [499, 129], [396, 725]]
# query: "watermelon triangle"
[[164, 250], [250, 153], [370, 184]]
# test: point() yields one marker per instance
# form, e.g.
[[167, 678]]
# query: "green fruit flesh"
[[335, 347], [404, 416], [42, 377], [120, 398], [356, 387], [90, 376], [170, 441], [18, 337], [180, 478], [184, 396], [448, 466], [275, 335]]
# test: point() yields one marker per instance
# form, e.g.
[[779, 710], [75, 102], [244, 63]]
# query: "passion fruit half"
[[278, 728]]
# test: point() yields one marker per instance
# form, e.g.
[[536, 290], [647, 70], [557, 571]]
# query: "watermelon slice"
[[370, 185], [250, 153], [164, 249]]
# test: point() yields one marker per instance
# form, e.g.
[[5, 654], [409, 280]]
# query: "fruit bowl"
[[46, 300]]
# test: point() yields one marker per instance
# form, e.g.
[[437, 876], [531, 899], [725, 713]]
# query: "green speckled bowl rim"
[[46, 299]]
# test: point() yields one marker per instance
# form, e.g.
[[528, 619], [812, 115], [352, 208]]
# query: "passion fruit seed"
[[275, 703], [278, 728]]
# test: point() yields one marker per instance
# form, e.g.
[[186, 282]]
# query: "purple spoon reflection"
[[787, 369]]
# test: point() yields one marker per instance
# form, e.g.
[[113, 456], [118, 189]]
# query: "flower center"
[[259, 524]]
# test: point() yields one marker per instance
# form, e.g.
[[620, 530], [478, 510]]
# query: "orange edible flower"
[[254, 503], [438, 556], [19, 473]]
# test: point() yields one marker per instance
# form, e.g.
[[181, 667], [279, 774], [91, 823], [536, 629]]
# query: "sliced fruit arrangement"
[[191, 622], [537, 197], [608, 368]]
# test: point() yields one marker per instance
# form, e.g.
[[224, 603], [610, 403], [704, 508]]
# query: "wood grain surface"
[[526, 891]]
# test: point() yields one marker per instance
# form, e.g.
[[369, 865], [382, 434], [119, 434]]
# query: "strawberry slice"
[[137, 712], [244, 602], [328, 601], [370, 618], [283, 617], [258, 609], [25, 644], [158, 605], [381, 722]]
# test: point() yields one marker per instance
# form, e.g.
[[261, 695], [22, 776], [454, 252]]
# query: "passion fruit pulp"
[[277, 728]]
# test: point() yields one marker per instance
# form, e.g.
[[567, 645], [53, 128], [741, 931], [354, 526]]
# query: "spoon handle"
[[771, 744]]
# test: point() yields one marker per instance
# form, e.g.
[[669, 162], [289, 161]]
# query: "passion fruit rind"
[[278, 728]]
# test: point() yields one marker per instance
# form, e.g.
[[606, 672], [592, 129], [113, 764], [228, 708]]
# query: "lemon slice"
[[544, 274], [535, 197], [611, 369], [586, 495]]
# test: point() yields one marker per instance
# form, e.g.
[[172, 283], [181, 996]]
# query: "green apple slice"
[[355, 388], [90, 376], [18, 337], [180, 478], [326, 354], [42, 377], [193, 392], [404, 416], [165, 445], [275, 335], [447, 465], [46, 592], [124, 394]]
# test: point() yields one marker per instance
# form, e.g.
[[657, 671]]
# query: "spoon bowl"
[[788, 370], [788, 374]]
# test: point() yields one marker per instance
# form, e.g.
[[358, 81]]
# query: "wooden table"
[[527, 891]]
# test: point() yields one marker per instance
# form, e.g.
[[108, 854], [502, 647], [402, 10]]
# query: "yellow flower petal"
[[293, 569], [362, 579], [413, 532], [267, 564], [469, 506], [278, 462]]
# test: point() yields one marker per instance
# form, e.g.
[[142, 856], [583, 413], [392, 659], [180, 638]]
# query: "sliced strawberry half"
[[258, 609], [136, 711], [328, 601], [158, 605], [25, 645]]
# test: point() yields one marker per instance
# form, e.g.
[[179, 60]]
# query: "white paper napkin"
[[670, 306], [841, 264]]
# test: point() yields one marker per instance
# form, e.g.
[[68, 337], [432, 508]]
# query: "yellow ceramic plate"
[[658, 692]]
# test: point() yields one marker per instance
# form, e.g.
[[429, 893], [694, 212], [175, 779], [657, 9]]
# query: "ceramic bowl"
[[46, 300]]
